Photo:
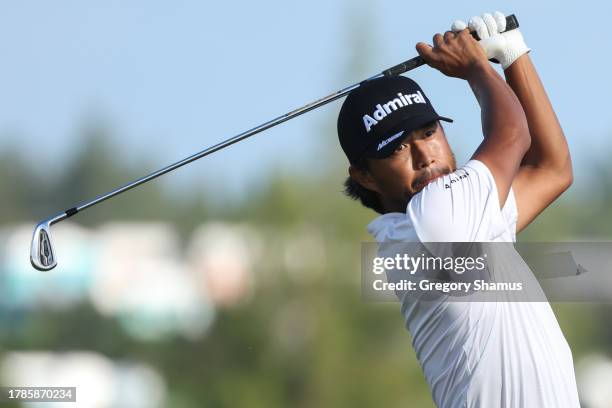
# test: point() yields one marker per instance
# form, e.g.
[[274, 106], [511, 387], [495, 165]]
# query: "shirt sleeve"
[[462, 206]]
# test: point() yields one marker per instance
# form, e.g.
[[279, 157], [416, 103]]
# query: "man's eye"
[[400, 147], [429, 133]]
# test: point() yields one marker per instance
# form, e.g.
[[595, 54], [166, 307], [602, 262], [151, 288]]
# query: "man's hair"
[[356, 191]]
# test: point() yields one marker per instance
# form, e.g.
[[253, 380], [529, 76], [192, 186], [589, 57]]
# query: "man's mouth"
[[420, 184], [424, 183], [429, 180]]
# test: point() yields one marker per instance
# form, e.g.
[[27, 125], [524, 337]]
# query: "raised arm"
[[506, 135], [546, 169], [504, 126]]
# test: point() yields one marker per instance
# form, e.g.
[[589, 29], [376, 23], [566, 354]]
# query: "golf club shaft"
[[267, 125], [511, 23]]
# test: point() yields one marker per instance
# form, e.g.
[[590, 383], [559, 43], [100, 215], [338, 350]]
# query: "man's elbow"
[[564, 175], [520, 138], [567, 177], [525, 140]]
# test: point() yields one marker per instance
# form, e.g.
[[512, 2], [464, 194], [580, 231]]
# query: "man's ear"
[[364, 178]]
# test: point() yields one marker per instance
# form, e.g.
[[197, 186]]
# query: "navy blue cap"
[[378, 115]]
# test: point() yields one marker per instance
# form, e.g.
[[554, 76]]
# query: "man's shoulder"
[[457, 207], [460, 206], [428, 209]]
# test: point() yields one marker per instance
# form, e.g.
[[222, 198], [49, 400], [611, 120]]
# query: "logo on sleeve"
[[385, 109], [459, 178]]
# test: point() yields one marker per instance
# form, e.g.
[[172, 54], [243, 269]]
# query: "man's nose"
[[423, 156]]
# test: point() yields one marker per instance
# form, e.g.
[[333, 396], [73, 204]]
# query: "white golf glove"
[[505, 47]]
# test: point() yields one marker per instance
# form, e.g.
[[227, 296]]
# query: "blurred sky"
[[172, 78]]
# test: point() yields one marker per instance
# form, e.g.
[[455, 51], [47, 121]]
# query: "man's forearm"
[[501, 111], [549, 149], [504, 127]]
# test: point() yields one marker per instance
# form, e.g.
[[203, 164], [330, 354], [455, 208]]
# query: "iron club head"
[[42, 255]]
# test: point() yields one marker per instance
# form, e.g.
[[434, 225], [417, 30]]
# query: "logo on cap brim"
[[389, 140]]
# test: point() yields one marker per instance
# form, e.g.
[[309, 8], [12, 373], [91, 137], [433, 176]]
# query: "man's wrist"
[[517, 64], [479, 70]]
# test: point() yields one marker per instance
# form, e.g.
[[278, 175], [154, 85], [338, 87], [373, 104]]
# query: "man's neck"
[[394, 205]]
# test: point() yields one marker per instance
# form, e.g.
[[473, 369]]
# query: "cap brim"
[[398, 135]]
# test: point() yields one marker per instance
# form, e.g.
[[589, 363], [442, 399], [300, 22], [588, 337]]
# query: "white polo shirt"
[[479, 354]]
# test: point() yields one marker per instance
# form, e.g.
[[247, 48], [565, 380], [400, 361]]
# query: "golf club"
[[42, 253]]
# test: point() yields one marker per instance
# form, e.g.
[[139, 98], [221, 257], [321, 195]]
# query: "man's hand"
[[506, 47], [454, 54]]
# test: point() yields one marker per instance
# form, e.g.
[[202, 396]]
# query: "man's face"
[[423, 156]]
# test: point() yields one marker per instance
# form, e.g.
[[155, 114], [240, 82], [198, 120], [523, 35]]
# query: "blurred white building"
[[99, 381], [134, 272], [223, 258], [141, 278], [23, 287]]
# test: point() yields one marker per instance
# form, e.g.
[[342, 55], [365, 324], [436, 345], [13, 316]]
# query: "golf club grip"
[[511, 24]]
